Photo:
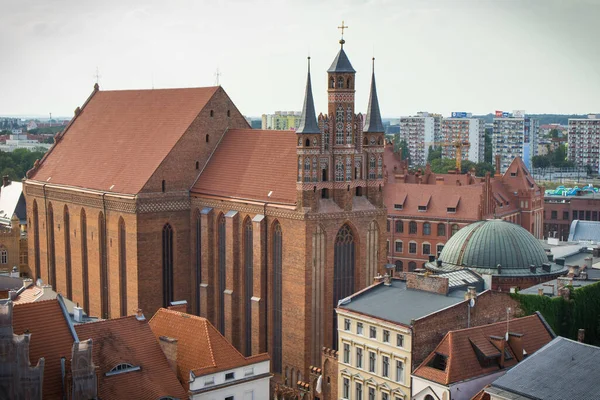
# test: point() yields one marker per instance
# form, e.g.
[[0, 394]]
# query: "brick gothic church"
[[153, 196]]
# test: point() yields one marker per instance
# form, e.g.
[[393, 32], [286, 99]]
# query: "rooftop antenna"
[[97, 76], [507, 321], [217, 76]]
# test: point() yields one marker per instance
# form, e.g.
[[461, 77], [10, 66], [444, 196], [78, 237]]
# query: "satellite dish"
[[472, 303]]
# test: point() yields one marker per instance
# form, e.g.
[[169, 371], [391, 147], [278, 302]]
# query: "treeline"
[[555, 158], [15, 164]]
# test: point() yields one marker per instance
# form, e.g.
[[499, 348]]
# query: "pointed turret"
[[308, 121], [373, 123]]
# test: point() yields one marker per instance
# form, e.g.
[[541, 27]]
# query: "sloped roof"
[[459, 348], [308, 120], [341, 63], [517, 177], [584, 230], [373, 121], [51, 338], [201, 348], [127, 340], [251, 163], [562, 369], [12, 202], [121, 137]]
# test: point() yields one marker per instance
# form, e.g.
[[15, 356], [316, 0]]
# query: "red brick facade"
[[560, 212]]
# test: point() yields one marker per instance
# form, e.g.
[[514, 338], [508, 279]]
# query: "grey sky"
[[440, 56]]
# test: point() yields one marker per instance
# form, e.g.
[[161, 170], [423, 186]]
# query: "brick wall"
[[428, 283]]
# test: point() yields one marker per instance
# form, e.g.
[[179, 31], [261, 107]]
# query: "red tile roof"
[[50, 338], [249, 164], [127, 340], [460, 347], [121, 137], [201, 349]]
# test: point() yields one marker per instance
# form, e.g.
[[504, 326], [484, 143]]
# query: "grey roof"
[[584, 231], [341, 63], [397, 304], [483, 245], [373, 121], [462, 279], [550, 288], [308, 120], [562, 369]]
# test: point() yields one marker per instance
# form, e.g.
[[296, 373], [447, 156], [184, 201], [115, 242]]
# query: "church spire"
[[308, 121], [373, 122]]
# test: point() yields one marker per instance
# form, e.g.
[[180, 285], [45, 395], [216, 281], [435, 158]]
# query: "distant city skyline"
[[436, 56]]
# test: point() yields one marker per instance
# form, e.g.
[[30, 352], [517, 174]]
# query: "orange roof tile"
[[249, 164], [127, 340], [50, 338], [29, 295], [201, 348], [459, 347], [121, 137]]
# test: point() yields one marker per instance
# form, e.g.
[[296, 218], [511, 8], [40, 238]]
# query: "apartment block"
[[466, 130], [514, 136], [584, 141], [281, 120], [419, 133]]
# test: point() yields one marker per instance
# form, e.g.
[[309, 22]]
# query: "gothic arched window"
[[332, 83], [222, 271], [123, 266], [36, 240], [67, 232], [343, 269], [84, 262], [277, 296], [3, 256], [51, 248], [103, 265], [340, 83], [339, 171], [248, 282], [198, 260], [167, 264]]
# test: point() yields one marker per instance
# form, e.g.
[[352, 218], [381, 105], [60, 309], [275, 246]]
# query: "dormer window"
[[451, 209], [422, 208], [229, 376], [398, 206], [121, 369]]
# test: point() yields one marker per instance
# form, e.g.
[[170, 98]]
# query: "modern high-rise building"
[[465, 129], [584, 141], [419, 133], [514, 135], [281, 120]]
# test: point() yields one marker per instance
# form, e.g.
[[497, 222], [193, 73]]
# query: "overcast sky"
[[542, 56]]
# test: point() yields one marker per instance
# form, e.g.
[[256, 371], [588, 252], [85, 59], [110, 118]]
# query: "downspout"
[[267, 273], [104, 260]]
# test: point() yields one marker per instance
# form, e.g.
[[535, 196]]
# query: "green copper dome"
[[485, 244]]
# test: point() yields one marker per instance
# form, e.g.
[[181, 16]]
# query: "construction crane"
[[458, 145]]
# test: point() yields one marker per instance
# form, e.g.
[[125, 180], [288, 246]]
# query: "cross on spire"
[[342, 28]]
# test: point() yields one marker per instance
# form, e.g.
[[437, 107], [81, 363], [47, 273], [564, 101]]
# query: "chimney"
[[180, 306], [472, 292], [550, 257], [588, 262], [12, 294], [387, 279], [499, 268], [78, 314], [15, 272], [139, 315], [497, 165], [546, 267], [515, 341], [5, 180], [541, 291], [583, 275], [581, 335], [500, 344], [377, 279], [532, 268], [169, 346]]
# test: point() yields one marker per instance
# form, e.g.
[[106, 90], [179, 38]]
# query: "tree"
[[483, 167], [434, 152], [487, 154], [540, 161], [404, 151], [554, 133]]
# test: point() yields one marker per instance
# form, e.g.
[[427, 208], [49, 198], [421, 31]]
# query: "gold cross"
[[342, 28]]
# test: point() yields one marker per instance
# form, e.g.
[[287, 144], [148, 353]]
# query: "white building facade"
[[465, 130], [584, 141], [249, 382], [419, 133], [514, 136]]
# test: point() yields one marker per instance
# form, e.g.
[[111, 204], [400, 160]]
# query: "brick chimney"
[[180, 306], [378, 278], [497, 159], [515, 341], [5, 180], [387, 279], [139, 315], [499, 342], [581, 335], [169, 346], [541, 291]]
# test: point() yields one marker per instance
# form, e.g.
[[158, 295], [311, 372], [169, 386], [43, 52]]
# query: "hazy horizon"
[[437, 56]]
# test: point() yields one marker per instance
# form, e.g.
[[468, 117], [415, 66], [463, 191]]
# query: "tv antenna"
[[97, 76], [217, 76]]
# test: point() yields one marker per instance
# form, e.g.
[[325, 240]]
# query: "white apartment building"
[[281, 120], [584, 141], [514, 136], [419, 133], [463, 129]]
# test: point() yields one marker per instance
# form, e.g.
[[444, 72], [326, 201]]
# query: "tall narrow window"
[[3, 256], [84, 263], [441, 229], [277, 297], [343, 270], [222, 272], [51, 248], [36, 239], [248, 261], [167, 260], [67, 230], [198, 260], [123, 266], [102, 262]]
